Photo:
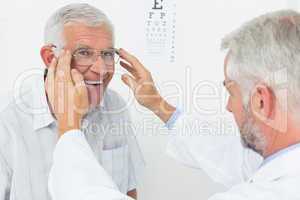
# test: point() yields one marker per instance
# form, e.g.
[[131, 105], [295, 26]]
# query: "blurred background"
[[178, 41]]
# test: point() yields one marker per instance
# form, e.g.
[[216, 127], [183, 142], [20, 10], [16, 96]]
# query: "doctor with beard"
[[262, 77]]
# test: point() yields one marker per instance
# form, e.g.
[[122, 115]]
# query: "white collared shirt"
[[28, 134]]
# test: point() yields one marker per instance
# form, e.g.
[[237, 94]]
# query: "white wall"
[[200, 26]]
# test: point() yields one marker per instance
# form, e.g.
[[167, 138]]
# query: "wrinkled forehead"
[[94, 36]]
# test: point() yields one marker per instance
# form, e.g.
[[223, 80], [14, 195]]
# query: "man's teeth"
[[93, 82]]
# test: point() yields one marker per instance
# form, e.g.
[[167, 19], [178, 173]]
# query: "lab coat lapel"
[[285, 165]]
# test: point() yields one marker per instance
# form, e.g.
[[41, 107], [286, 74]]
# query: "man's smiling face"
[[80, 37]]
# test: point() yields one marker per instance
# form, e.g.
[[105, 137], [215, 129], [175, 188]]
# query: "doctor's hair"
[[267, 50], [74, 13]]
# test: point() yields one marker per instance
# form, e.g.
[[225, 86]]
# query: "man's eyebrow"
[[78, 46]]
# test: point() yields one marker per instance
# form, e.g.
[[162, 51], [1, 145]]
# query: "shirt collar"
[[102, 104], [279, 153], [285, 162]]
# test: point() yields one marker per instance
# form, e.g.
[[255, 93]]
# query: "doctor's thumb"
[[129, 81]]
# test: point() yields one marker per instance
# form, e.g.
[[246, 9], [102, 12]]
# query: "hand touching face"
[[66, 92]]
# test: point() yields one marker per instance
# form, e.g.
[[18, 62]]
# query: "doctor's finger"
[[129, 81], [51, 70], [135, 63], [129, 68], [63, 72], [50, 80]]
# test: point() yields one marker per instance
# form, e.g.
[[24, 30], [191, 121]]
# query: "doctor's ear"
[[262, 102], [47, 54]]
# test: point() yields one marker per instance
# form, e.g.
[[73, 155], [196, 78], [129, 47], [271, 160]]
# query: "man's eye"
[[85, 53], [108, 54]]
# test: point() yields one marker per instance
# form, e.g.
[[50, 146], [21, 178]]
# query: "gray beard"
[[251, 136]]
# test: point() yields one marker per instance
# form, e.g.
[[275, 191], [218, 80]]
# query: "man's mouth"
[[96, 82]]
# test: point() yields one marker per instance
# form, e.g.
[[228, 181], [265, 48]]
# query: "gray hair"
[[267, 50], [77, 13]]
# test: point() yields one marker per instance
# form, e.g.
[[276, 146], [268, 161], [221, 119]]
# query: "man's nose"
[[99, 67]]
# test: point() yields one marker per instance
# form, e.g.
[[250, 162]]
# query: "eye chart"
[[161, 29]]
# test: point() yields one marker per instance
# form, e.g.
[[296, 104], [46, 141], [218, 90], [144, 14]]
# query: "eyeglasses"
[[86, 57]]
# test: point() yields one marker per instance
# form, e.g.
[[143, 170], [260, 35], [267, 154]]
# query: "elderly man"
[[29, 128], [262, 78]]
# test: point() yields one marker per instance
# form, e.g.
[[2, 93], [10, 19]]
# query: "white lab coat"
[[221, 156], [226, 161], [76, 175]]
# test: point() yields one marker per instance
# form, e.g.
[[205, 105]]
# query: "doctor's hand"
[[66, 92], [143, 86]]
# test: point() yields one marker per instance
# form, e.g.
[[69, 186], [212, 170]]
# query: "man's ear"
[[47, 54], [262, 102]]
